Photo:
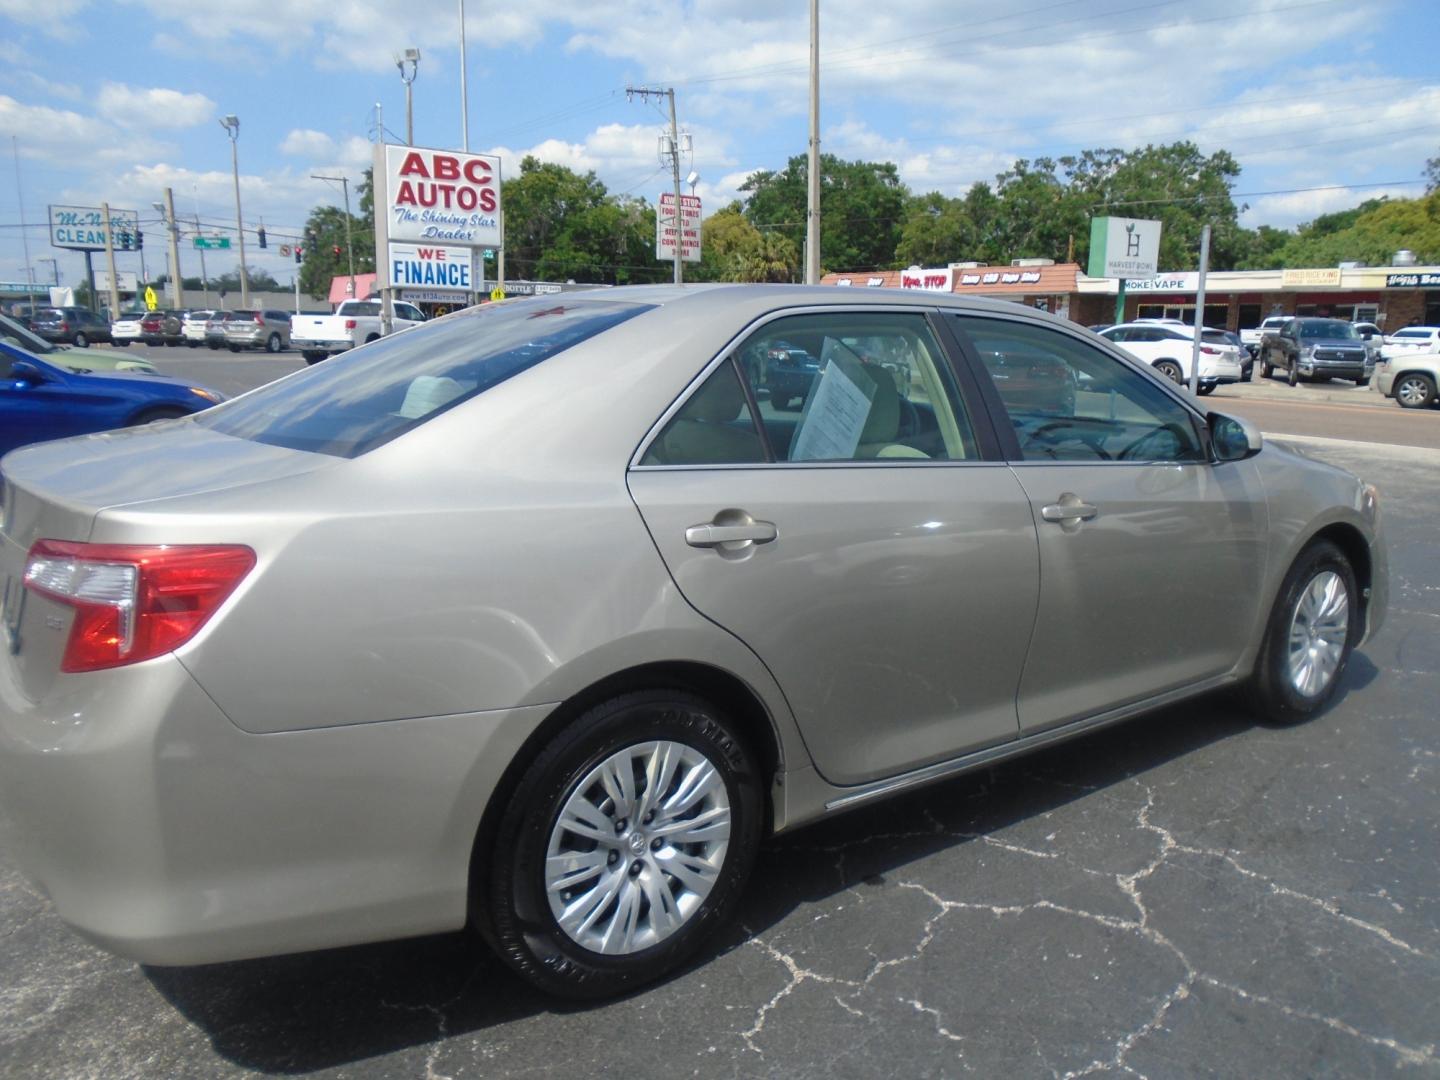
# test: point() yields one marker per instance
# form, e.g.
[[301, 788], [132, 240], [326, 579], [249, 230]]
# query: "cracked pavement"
[[1187, 894]]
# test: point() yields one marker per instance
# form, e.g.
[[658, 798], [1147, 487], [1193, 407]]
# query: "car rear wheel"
[[213, 344], [1291, 375], [1205, 388], [272, 343], [234, 348], [1169, 369], [627, 842], [1362, 380], [1415, 391], [1312, 630], [314, 356], [81, 341]]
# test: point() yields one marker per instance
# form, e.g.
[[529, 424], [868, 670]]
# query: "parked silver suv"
[[267, 329]]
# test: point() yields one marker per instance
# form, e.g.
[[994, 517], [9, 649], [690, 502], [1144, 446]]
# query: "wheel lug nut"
[[649, 816], [621, 825], [614, 857], [656, 844], [635, 868]]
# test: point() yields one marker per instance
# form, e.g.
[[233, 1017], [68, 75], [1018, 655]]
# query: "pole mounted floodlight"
[[692, 180], [409, 63], [231, 124]]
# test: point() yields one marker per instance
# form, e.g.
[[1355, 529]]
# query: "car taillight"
[[259, 320], [1210, 350], [133, 602], [349, 324]]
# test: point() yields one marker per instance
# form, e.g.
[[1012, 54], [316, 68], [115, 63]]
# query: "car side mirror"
[[22, 371], [1233, 438]]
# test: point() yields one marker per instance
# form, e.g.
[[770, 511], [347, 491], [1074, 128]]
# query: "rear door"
[[1151, 557], [870, 548]]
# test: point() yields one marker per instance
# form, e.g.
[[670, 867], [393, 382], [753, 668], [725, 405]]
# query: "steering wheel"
[[1174, 443], [1057, 433]]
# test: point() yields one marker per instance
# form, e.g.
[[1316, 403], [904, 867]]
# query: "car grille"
[[1340, 356]]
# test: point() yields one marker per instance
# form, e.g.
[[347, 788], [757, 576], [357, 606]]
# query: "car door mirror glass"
[[1233, 438], [24, 373]]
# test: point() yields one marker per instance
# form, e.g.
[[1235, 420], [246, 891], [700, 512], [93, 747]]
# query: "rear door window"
[[357, 402]]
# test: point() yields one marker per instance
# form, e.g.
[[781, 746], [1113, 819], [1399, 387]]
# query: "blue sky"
[[118, 99]]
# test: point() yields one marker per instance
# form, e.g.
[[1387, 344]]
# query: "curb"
[[1333, 393]]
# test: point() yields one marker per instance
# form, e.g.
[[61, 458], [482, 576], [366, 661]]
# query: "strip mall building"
[[1390, 296]]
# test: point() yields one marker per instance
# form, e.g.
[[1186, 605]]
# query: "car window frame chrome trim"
[[988, 446]]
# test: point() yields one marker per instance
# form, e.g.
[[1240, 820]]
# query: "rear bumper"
[[330, 345], [164, 833]]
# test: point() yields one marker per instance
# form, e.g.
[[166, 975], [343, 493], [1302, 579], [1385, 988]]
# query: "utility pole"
[[812, 211], [54, 267], [204, 274], [344, 183], [1199, 310], [25, 239], [177, 289], [670, 150], [110, 260]]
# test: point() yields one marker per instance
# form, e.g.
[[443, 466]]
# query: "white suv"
[[1167, 348]]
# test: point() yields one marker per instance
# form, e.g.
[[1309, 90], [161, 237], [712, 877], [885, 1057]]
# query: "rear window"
[[363, 399], [360, 307], [1422, 334]]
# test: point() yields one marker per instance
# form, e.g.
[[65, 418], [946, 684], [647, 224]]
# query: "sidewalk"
[[1279, 392]]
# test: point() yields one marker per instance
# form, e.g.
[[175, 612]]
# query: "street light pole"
[[812, 216], [231, 124], [344, 183], [464, 94], [409, 63]]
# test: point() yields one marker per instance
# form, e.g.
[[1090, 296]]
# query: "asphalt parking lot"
[[1188, 894]]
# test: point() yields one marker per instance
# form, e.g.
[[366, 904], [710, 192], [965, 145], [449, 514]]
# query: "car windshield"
[[355, 403], [1327, 330]]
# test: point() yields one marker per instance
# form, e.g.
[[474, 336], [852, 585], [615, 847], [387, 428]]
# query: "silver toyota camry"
[[540, 617]]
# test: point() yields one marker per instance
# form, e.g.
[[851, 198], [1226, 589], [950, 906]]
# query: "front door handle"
[[715, 533], [732, 530], [1069, 511]]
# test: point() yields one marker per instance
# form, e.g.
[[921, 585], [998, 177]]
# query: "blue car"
[[40, 401]]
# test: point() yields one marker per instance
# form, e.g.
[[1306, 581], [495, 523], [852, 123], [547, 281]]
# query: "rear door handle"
[[1069, 510], [713, 534]]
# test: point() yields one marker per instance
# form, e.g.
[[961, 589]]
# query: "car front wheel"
[[272, 343], [1415, 391], [1312, 630], [627, 842], [1170, 370], [81, 341]]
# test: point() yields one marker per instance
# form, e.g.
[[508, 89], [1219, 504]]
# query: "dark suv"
[[73, 325]]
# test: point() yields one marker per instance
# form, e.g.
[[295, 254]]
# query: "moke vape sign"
[[1124, 247]]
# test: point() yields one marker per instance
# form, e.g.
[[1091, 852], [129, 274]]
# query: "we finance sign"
[[442, 197], [423, 266]]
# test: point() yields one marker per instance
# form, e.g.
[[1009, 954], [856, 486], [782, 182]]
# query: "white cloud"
[[132, 106], [48, 17], [306, 142], [1293, 208]]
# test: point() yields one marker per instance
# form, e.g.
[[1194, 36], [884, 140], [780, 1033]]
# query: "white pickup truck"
[[1251, 338], [354, 323]]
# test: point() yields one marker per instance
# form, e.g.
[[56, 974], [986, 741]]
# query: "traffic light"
[[260, 232], [139, 240], [299, 254], [336, 250]]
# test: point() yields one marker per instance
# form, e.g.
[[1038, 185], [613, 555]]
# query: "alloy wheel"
[[1412, 392], [637, 846], [1319, 629]]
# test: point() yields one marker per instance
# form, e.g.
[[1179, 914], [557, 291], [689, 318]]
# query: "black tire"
[[510, 905], [272, 343], [213, 344], [1414, 390], [1170, 370], [1205, 388], [314, 356], [234, 348], [372, 337], [1272, 694], [1362, 381], [1267, 369], [159, 412], [120, 344], [192, 344], [81, 341], [1291, 375]]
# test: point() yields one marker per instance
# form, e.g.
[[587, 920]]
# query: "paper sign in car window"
[[835, 413], [430, 392]]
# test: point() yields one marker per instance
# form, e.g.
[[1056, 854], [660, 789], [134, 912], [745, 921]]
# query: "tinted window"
[[357, 402], [360, 307], [1079, 403], [714, 427], [1423, 335], [1327, 329]]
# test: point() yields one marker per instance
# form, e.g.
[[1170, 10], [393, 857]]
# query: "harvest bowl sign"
[[442, 197]]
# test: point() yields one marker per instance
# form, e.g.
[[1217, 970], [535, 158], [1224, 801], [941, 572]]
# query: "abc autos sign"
[[442, 197]]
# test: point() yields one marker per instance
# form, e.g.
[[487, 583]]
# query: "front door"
[[1151, 557], [882, 568]]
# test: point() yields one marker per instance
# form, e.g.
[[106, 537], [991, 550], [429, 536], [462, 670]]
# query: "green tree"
[[732, 249], [325, 254], [862, 203], [1370, 233], [1432, 175], [937, 230], [539, 204]]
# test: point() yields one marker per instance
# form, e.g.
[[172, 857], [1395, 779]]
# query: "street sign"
[[82, 228], [423, 266], [211, 243], [1124, 247], [665, 227], [440, 197], [151, 300], [497, 294], [284, 251]]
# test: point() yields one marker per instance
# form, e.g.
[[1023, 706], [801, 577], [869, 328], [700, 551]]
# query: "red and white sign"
[[442, 197], [930, 280], [665, 227]]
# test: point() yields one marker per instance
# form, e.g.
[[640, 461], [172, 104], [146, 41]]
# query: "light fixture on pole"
[[231, 124], [409, 63], [692, 180]]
